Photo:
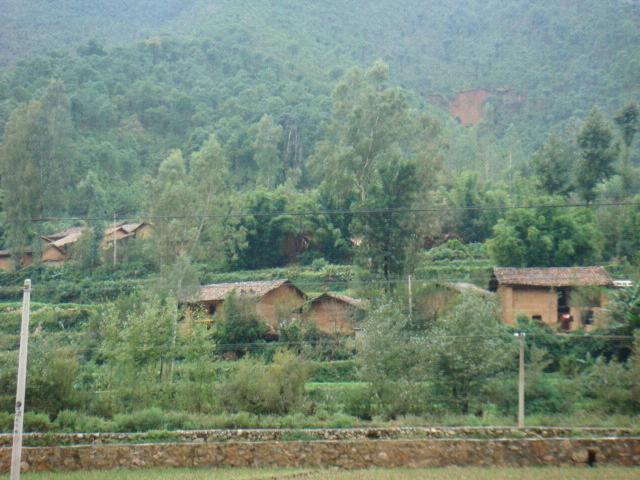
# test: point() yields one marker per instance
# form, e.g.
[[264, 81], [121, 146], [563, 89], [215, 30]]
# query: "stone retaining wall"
[[283, 434], [342, 454]]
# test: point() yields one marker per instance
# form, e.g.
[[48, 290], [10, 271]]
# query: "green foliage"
[[238, 329], [477, 205], [552, 166], [597, 154], [545, 237], [276, 388], [458, 366]]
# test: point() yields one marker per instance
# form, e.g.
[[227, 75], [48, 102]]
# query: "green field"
[[452, 473]]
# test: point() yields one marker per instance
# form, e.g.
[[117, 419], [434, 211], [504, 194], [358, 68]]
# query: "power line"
[[303, 213]]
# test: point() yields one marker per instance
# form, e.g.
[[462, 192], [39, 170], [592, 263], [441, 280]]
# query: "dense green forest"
[[344, 145]]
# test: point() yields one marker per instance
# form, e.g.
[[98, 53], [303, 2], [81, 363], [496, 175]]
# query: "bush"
[[140, 421], [6, 422], [276, 388], [358, 404], [72, 421], [37, 422], [336, 371]]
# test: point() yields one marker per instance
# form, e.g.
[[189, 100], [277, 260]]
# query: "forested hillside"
[[207, 109], [541, 64]]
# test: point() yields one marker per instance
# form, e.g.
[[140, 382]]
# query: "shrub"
[[336, 371], [276, 388], [37, 422], [6, 422], [358, 404], [72, 421], [140, 421]]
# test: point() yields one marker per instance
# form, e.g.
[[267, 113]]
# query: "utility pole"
[[16, 450], [410, 297], [115, 251], [521, 382]]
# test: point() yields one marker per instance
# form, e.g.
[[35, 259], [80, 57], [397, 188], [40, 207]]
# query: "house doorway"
[[564, 310]]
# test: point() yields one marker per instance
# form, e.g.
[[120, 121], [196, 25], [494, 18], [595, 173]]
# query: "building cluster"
[[275, 300], [566, 299], [57, 248]]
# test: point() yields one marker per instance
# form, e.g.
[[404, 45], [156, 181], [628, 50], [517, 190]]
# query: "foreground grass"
[[452, 473]]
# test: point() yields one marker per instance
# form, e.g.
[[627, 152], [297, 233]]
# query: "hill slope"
[[540, 65]]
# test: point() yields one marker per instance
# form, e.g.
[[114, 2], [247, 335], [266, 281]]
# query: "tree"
[[386, 236], [597, 154], [389, 354], [465, 349], [93, 197], [239, 327], [628, 121], [371, 125], [476, 204], [268, 136], [36, 160], [552, 167], [545, 237], [379, 151]]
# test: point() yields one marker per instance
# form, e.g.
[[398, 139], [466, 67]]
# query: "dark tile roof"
[[258, 289], [554, 276]]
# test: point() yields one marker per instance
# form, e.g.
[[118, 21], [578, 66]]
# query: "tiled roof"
[[64, 233], [354, 302], [553, 277], [72, 236], [219, 291], [125, 227]]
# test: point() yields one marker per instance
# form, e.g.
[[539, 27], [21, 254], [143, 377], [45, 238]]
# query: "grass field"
[[453, 473]]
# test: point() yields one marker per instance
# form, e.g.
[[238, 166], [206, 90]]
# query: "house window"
[[587, 317], [537, 318], [212, 309]]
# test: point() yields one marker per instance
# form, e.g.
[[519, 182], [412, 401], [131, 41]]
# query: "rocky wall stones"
[[269, 435], [341, 454]]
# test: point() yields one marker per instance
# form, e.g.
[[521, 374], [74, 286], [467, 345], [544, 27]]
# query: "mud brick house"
[[7, 260], [554, 296], [57, 246], [334, 314], [273, 298], [124, 231]]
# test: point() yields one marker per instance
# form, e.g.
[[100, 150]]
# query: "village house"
[[7, 262], [334, 314], [567, 298], [273, 298], [124, 231], [57, 247]]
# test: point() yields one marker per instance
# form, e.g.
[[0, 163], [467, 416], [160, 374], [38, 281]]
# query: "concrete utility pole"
[[521, 382], [410, 297], [16, 450], [115, 252]]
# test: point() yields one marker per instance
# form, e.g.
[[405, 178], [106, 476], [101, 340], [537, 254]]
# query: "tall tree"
[[372, 125], [597, 154], [93, 197], [386, 236], [266, 154], [628, 121], [552, 166], [377, 153], [36, 160]]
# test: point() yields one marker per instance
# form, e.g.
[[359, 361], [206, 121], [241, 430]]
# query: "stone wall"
[[342, 454], [285, 434]]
